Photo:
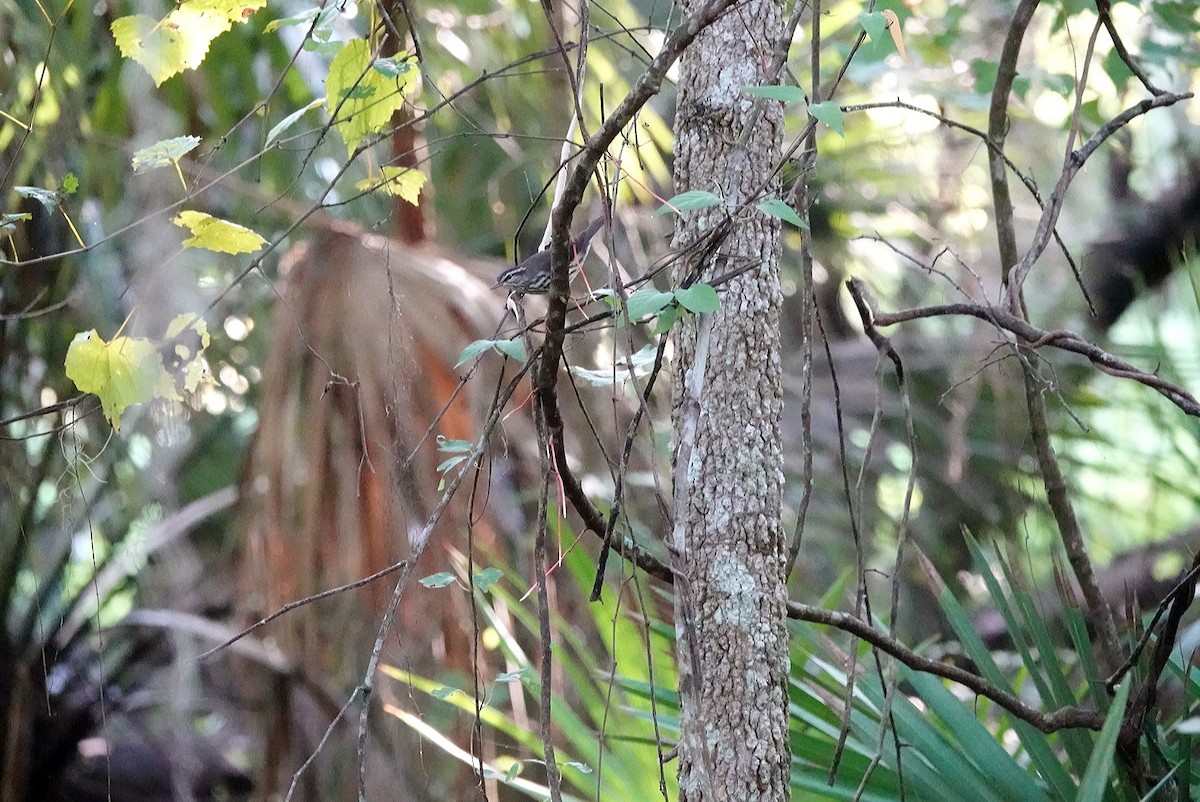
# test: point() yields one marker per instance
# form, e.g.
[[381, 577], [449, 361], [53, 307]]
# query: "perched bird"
[[532, 276]]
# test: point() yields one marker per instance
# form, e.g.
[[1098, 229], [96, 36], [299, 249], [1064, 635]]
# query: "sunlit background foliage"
[[899, 192]]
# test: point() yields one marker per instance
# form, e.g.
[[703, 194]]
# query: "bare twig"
[[1065, 340], [1046, 722], [292, 605]]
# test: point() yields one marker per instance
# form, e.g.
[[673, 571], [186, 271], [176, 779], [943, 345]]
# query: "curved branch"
[[1046, 722], [1034, 337], [1072, 165], [589, 158]]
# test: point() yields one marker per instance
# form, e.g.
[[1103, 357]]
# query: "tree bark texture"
[[727, 541]]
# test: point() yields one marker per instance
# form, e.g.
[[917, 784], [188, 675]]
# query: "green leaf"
[[164, 153], [1177, 17], [640, 363], [473, 350], [215, 234], [1059, 83], [321, 30], [775, 207], [392, 67], [446, 465], [666, 320], [985, 75], [70, 184], [488, 577], [120, 373], [1116, 69], [698, 298], [690, 200], [438, 580], [829, 113], [453, 446], [8, 222], [512, 348], [608, 295], [648, 301], [290, 120], [875, 24], [49, 198], [361, 98], [513, 770], [1094, 783], [786, 94]]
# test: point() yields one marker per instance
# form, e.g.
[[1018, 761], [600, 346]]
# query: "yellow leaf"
[[402, 182], [180, 40], [893, 26], [362, 93], [216, 234], [120, 373], [185, 364]]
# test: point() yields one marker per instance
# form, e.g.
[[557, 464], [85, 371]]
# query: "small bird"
[[532, 276]]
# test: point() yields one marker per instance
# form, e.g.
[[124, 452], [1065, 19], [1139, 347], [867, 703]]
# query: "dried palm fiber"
[[365, 339], [364, 343]]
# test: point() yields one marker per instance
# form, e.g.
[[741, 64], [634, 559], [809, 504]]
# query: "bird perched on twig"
[[532, 276]]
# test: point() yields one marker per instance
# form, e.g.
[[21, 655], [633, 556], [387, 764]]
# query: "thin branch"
[[1073, 717], [292, 605], [1065, 340], [1006, 73], [1069, 531], [1104, 10], [1072, 166]]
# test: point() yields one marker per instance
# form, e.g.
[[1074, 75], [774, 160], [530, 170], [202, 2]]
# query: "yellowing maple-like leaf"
[[362, 92], [215, 234], [185, 365], [180, 40], [120, 373], [402, 182], [135, 370]]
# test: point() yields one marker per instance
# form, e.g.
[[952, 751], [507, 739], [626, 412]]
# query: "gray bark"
[[727, 544]]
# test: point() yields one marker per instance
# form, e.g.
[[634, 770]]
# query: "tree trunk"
[[727, 542]]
